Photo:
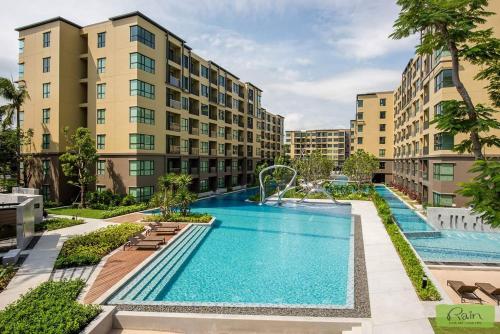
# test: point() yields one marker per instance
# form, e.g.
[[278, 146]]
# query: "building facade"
[[373, 128], [153, 105], [333, 143]]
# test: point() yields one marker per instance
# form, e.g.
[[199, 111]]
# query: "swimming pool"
[[253, 255], [447, 245]]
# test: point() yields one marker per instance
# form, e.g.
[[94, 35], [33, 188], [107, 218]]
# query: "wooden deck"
[[118, 266]]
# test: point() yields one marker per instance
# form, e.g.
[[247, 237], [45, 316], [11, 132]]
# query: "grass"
[[50, 308], [90, 248], [454, 330], [57, 223], [6, 274], [97, 213]]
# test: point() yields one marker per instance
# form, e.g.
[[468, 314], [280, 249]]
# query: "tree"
[[360, 167], [313, 168], [11, 159], [78, 162], [485, 190], [173, 193], [453, 25], [16, 95]]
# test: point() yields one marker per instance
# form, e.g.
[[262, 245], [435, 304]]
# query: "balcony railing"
[[426, 150], [194, 131], [174, 127], [172, 149], [213, 151], [194, 150], [213, 170], [193, 171], [175, 58], [174, 104], [174, 81]]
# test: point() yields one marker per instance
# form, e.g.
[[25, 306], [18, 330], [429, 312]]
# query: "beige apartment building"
[[153, 105], [424, 162], [373, 130], [333, 143]]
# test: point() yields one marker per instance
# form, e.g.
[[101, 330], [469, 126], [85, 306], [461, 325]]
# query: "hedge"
[[90, 248], [410, 261], [177, 217], [123, 210], [50, 308], [57, 223]]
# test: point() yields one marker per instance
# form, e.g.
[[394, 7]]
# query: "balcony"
[[194, 110], [172, 149], [175, 58], [194, 150], [174, 81], [193, 171], [426, 125], [213, 151], [174, 104], [213, 170], [194, 131], [174, 170], [426, 150]]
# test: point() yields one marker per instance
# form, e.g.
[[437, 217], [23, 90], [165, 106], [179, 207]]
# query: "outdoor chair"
[[490, 290], [163, 230], [150, 238], [466, 292], [141, 244]]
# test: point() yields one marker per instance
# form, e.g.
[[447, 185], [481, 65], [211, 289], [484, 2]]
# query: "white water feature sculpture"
[[280, 194]]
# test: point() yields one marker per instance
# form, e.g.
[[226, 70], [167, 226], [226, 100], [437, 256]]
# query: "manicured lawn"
[[90, 248], [452, 330], [50, 308], [57, 223], [86, 213]]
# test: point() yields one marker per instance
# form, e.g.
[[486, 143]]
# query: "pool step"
[[159, 267], [423, 234]]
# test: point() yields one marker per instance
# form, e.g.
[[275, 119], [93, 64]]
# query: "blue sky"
[[311, 57]]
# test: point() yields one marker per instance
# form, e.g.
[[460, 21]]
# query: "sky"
[[310, 57]]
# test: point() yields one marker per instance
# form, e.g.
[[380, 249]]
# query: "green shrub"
[[128, 200], [90, 248], [123, 210], [57, 223], [410, 261], [50, 308], [177, 217], [102, 199], [6, 274]]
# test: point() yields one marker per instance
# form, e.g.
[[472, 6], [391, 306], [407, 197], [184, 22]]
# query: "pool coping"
[[360, 298]]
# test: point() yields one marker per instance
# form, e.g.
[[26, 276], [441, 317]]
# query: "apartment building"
[[333, 143], [372, 130], [424, 162], [153, 105]]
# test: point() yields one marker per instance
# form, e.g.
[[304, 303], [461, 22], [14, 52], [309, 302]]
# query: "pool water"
[[254, 255], [447, 245]]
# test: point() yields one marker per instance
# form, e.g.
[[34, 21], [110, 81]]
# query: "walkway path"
[[38, 266], [395, 307]]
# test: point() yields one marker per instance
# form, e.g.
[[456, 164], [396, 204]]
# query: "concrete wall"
[[462, 219], [25, 222]]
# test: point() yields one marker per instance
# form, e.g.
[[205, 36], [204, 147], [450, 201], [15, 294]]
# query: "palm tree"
[[16, 95]]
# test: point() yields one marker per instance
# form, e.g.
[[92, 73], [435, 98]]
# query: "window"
[[46, 90], [46, 39], [101, 91], [360, 140], [142, 62], [100, 188], [101, 65], [101, 166], [21, 46], [221, 165], [184, 145], [381, 165], [46, 65], [204, 71], [443, 80], [185, 166], [438, 108], [185, 103], [203, 185], [101, 39], [204, 128], [46, 167], [360, 128], [46, 192], [185, 61], [141, 194], [382, 102], [381, 127], [442, 199], [236, 88], [204, 147], [184, 124], [204, 110], [21, 71], [204, 166], [141, 141], [185, 83], [21, 118], [101, 142], [381, 140], [45, 116], [141, 88], [382, 115], [141, 167], [222, 131], [443, 172], [142, 35], [220, 182], [46, 141], [360, 115], [221, 98], [443, 141], [381, 152], [141, 115], [101, 116], [222, 149], [204, 90], [360, 103], [222, 81]]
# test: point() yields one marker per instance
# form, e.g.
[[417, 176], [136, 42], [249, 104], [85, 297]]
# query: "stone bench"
[[11, 257]]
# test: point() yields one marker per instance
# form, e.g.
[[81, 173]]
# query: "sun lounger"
[[141, 244], [163, 230], [151, 238], [464, 291], [490, 290], [171, 225]]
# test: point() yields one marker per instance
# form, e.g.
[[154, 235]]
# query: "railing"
[[193, 170], [194, 150], [213, 151], [174, 170], [175, 59], [426, 150], [173, 149], [213, 170], [194, 131], [174, 81], [174, 127], [194, 111], [174, 104]]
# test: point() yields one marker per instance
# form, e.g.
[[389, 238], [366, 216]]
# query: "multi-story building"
[[373, 130], [153, 105], [333, 143], [424, 162]]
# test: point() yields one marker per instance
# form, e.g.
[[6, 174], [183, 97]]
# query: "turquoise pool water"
[[292, 256], [448, 245]]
